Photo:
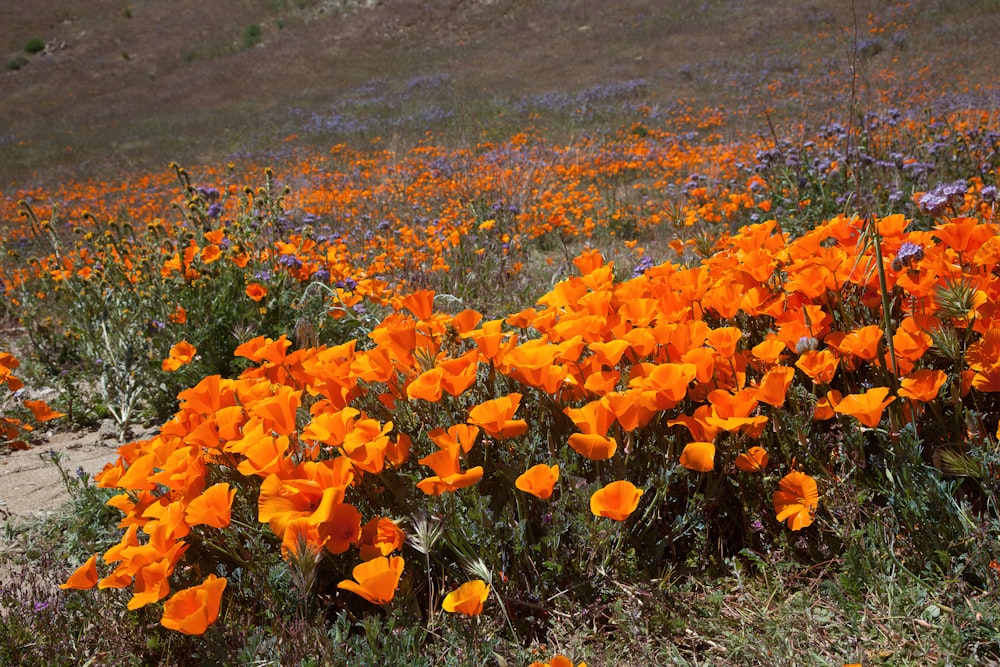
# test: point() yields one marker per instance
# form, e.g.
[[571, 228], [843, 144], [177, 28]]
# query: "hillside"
[[133, 86]]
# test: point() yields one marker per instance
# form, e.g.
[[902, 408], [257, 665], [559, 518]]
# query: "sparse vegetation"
[[34, 45], [251, 36]]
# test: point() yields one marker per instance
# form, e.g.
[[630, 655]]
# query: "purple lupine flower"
[[989, 193]]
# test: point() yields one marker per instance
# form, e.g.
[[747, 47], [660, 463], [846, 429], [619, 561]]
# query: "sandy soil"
[[30, 484]]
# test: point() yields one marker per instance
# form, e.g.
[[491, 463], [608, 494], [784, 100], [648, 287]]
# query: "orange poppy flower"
[[668, 382], [769, 351], [426, 386], [724, 341], [376, 580], [964, 234], [180, 354], [819, 365], [616, 501], [558, 660], [863, 342], [731, 412], [338, 524], [774, 385], [210, 253], [397, 452], [752, 460], [457, 375], [421, 304], [448, 476], [438, 484], [380, 537], [466, 320], [538, 480], [491, 340], [212, 507], [151, 584], [262, 348], [922, 385], [41, 410], [609, 353], [594, 419], [633, 408], [698, 456], [467, 599], [599, 383], [256, 291], [459, 435], [826, 405], [867, 408], [193, 609], [593, 446], [179, 316], [83, 577], [796, 499], [495, 417]]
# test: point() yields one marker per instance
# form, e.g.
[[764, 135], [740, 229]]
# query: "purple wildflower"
[[908, 253], [645, 264], [941, 196], [289, 261]]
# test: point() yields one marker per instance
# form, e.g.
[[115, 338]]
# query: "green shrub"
[[17, 63], [251, 36], [34, 45]]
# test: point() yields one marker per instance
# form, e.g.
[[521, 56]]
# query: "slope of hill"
[[122, 86]]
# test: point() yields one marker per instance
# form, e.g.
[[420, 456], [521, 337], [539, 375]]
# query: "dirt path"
[[30, 485]]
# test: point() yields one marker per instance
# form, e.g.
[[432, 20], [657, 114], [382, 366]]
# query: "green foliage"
[[34, 45], [100, 335], [16, 63], [251, 36]]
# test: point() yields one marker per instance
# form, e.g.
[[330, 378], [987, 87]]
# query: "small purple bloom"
[[289, 261], [908, 253], [211, 194], [645, 264], [941, 196]]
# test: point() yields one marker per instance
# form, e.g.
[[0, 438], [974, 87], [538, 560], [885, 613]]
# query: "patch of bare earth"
[[30, 484]]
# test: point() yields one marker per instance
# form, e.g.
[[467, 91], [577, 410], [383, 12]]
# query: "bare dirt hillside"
[[123, 85]]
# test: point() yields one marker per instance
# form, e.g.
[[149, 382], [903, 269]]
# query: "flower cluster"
[[671, 365]]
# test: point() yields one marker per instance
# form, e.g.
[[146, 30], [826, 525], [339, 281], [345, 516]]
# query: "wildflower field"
[[691, 386]]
